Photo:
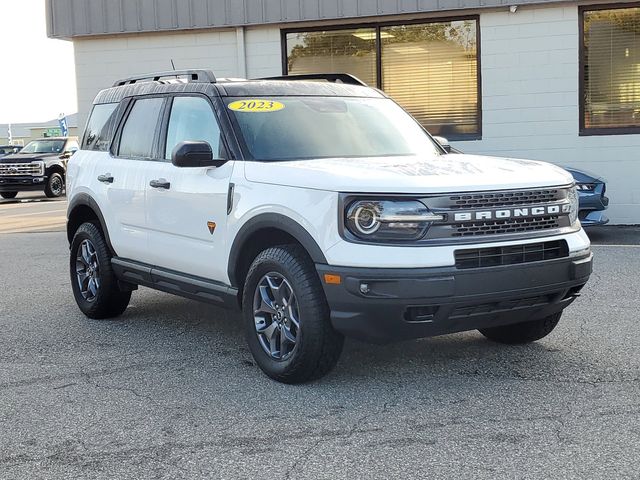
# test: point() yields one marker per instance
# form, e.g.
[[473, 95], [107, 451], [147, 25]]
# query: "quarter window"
[[431, 69], [100, 127], [610, 70], [140, 128], [192, 119]]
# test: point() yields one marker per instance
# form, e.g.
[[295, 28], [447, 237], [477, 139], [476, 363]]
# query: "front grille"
[[504, 199], [18, 169], [505, 226], [511, 255]]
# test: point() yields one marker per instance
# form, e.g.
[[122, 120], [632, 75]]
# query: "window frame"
[[129, 103], [378, 26], [166, 118], [582, 51]]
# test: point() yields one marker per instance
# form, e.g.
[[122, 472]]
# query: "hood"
[[27, 157], [425, 174]]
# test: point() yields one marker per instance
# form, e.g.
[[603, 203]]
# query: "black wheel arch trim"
[[85, 200], [272, 221]]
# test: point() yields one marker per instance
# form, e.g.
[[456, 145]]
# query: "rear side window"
[[192, 119], [140, 128], [100, 127]]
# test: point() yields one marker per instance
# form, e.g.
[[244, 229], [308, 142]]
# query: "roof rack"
[[329, 77], [193, 76]]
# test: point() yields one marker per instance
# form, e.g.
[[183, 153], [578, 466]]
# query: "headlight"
[[586, 187], [572, 196], [389, 220]]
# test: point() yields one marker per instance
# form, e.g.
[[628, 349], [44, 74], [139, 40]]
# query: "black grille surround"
[[480, 217], [511, 254]]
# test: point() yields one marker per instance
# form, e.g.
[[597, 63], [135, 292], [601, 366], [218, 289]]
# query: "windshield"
[[294, 128], [44, 146]]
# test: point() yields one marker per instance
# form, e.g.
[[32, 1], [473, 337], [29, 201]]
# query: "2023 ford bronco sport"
[[321, 209]]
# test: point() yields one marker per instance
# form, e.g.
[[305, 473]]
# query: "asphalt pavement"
[[169, 390]]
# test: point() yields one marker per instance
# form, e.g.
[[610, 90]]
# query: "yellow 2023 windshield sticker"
[[256, 105]]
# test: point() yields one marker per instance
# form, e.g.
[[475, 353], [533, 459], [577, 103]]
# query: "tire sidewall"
[[48, 192], [275, 368], [91, 233]]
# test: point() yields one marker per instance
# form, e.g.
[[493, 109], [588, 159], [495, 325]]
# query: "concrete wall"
[[529, 70], [530, 102]]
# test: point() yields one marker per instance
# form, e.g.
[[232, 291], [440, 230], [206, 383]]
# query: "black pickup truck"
[[40, 165]]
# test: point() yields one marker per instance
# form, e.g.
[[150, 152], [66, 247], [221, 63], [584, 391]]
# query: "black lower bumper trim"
[[386, 305]]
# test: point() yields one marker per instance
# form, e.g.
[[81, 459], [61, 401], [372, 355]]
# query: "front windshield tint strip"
[[329, 127]]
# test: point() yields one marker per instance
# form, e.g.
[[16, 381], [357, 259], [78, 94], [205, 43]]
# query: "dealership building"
[[551, 80]]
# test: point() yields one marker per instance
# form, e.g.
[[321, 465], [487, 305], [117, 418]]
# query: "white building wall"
[[529, 63], [530, 102]]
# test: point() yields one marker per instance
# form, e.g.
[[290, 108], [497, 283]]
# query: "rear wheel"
[[8, 195], [95, 286], [55, 186], [286, 317], [524, 332]]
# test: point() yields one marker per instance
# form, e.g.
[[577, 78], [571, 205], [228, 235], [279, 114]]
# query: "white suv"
[[320, 209]]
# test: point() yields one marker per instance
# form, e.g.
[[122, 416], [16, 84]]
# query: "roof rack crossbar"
[[329, 77], [193, 76]]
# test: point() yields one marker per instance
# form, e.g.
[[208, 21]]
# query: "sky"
[[38, 74]]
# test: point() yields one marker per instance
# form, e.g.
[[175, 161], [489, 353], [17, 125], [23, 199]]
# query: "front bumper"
[[400, 304], [22, 183]]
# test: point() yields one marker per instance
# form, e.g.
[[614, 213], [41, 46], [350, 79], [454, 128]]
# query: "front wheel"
[[55, 186], [95, 286], [525, 332], [8, 195], [286, 317]]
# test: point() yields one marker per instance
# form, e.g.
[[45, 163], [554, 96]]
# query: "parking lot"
[[169, 390]]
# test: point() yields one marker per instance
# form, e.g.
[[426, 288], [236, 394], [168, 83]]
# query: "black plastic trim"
[[279, 222], [373, 304], [177, 283], [83, 199]]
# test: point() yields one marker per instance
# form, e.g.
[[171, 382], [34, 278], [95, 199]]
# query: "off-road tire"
[[49, 189], [110, 301], [8, 195], [525, 332], [319, 346]]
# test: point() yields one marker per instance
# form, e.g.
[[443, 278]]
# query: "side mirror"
[[444, 143], [195, 154]]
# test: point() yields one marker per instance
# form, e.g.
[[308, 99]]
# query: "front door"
[[187, 207]]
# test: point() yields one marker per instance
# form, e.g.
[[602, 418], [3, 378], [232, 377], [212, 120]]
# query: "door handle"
[[106, 178], [160, 183]]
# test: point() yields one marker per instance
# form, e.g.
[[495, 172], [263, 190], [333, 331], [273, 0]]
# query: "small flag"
[[62, 120]]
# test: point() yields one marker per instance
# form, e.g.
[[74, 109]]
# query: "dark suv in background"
[[8, 150], [40, 165]]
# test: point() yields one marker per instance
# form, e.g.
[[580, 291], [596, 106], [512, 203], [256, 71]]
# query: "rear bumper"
[[22, 183], [400, 304]]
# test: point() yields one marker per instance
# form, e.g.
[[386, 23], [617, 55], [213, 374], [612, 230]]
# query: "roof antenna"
[[172, 65]]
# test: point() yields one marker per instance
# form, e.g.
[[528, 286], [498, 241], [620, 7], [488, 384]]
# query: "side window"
[[100, 127], [140, 128], [193, 119]]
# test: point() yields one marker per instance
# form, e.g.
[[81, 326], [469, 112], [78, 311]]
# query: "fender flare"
[[85, 200], [276, 221]]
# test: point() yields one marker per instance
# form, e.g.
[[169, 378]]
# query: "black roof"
[[308, 85]]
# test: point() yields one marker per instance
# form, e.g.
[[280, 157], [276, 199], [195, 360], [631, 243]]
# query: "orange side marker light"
[[332, 279]]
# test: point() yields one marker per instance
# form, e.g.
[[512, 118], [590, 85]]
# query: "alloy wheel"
[[276, 316], [88, 271]]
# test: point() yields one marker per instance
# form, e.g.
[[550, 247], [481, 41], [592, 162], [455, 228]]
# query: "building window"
[[431, 69], [610, 70]]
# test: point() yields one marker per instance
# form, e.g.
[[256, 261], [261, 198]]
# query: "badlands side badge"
[[212, 227]]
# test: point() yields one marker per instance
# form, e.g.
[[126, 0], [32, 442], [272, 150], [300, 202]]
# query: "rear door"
[[124, 177], [187, 207]]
